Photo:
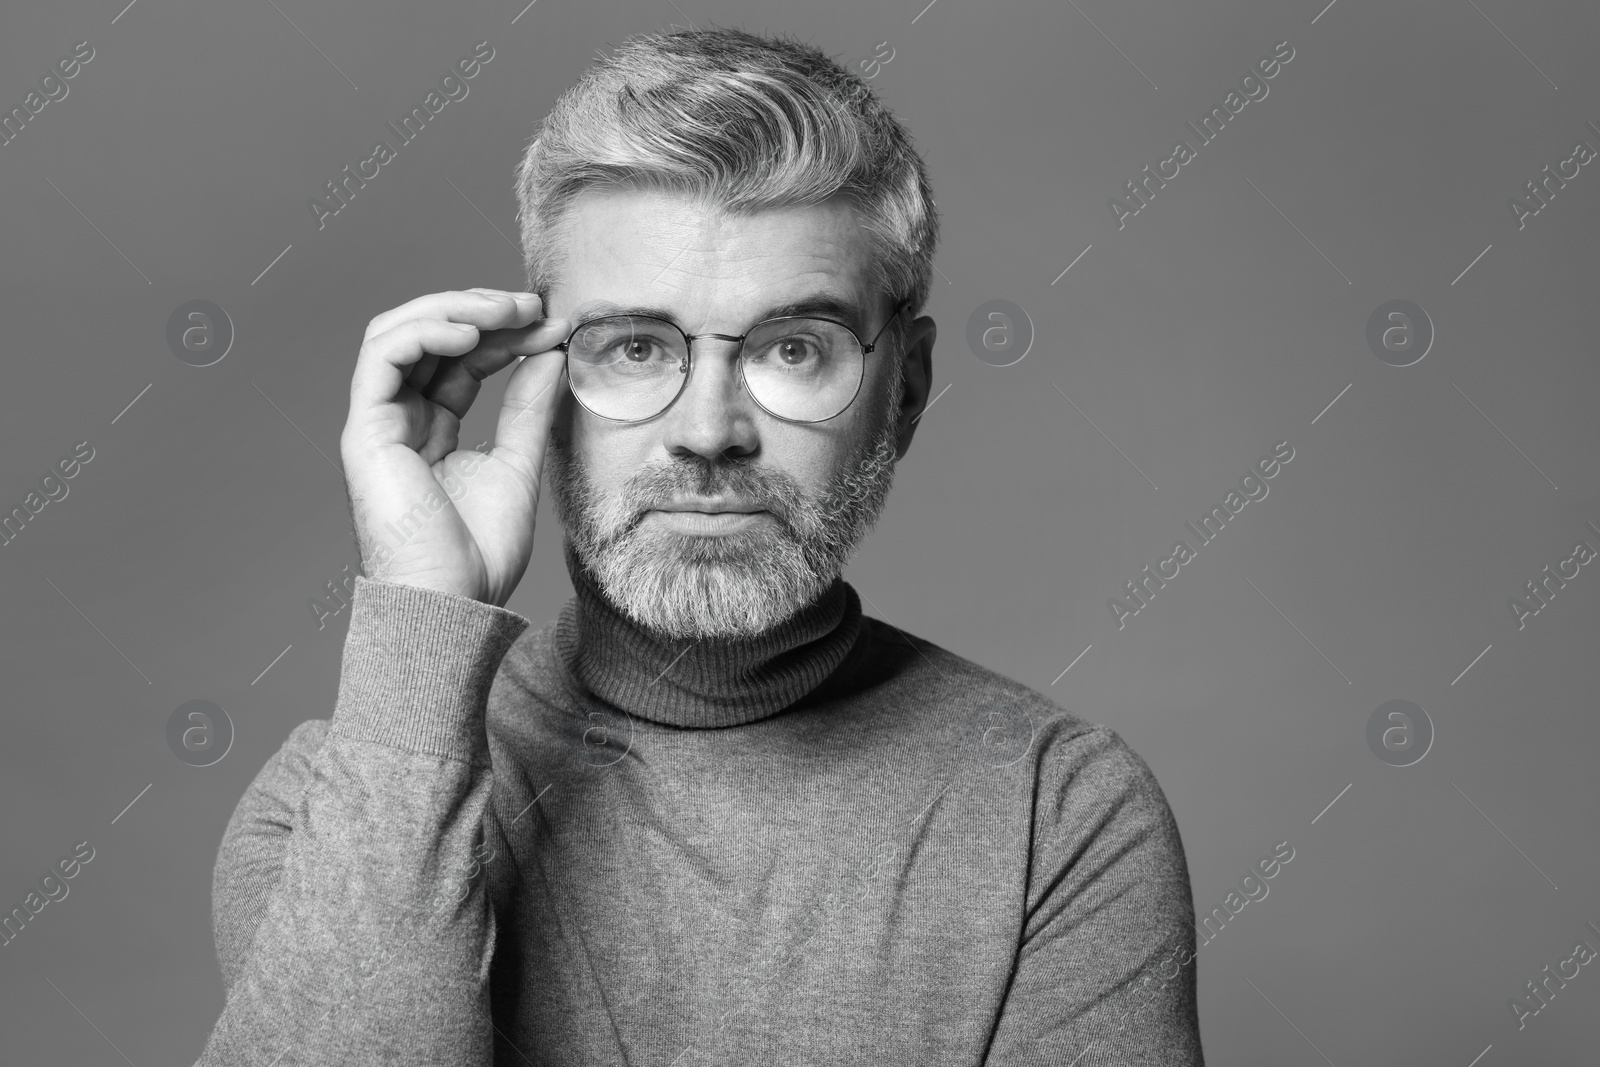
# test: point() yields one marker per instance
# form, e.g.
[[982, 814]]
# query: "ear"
[[916, 363]]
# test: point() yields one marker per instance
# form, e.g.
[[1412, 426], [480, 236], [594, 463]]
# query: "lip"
[[710, 507], [706, 523]]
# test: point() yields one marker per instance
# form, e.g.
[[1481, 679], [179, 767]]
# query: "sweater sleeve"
[[350, 909], [1105, 970]]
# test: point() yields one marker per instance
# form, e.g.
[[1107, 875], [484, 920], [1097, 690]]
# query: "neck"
[[712, 682]]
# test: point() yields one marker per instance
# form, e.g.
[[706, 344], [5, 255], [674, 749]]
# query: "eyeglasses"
[[628, 368]]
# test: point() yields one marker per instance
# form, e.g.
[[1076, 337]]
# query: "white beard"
[[688, 586]]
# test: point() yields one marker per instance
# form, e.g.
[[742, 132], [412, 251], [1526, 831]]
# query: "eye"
[[640, 350], [625, 343], [639, 355], [794, 352]]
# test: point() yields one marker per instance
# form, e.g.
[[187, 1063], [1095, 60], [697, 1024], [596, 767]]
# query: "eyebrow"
[[822, 304]]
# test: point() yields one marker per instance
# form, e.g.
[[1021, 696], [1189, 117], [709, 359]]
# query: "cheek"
[[609, 454], [812, 455]]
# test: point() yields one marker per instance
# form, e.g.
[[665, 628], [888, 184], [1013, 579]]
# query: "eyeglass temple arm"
[[892, 316]]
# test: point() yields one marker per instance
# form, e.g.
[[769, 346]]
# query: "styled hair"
[[738, 123]]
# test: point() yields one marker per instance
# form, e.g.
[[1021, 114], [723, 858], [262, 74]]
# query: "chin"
[[692, 586]]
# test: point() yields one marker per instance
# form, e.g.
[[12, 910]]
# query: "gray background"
[[1213, 326]]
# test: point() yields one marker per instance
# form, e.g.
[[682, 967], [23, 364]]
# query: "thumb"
[[532, 393]]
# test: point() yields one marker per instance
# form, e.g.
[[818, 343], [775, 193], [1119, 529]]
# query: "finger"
[[422, 371], [386, 358], [489, 309], [443, 438], [455, 384], [532, 392], [486, 309]]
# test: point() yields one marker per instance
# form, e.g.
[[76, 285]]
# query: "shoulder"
[[1083, 772], [945, 685]]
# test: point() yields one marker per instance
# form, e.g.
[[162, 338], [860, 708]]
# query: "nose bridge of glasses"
[[691, 338], [736, 347]]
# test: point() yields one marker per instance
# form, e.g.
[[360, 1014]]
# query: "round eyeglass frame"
[[688, 347]]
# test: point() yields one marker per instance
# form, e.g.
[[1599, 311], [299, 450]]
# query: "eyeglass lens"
[[631, 367]]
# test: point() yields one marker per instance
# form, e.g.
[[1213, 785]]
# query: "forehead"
[[653, 248]]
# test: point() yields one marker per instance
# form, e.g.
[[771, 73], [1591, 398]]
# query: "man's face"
[[716, 518]]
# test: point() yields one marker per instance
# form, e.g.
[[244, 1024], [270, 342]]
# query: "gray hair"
[[738, 123]]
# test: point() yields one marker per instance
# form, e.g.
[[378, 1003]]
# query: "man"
[[713, 814]]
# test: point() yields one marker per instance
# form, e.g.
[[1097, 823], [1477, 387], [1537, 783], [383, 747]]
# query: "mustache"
[[769, 490]]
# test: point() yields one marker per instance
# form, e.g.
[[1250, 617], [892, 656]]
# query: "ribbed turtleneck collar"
[[708, 683]]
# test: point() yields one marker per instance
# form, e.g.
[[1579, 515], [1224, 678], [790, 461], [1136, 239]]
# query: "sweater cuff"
[[417, 668]]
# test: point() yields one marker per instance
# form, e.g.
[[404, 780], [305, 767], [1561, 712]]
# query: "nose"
[[714, 416]]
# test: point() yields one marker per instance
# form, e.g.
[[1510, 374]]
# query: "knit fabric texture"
[[582, 844]]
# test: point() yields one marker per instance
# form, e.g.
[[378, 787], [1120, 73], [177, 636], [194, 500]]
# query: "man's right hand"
[[419, 370]]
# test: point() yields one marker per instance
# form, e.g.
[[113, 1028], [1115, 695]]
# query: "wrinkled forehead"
[[710, 268]]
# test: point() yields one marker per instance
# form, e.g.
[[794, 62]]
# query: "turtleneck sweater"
[[586, 844]]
